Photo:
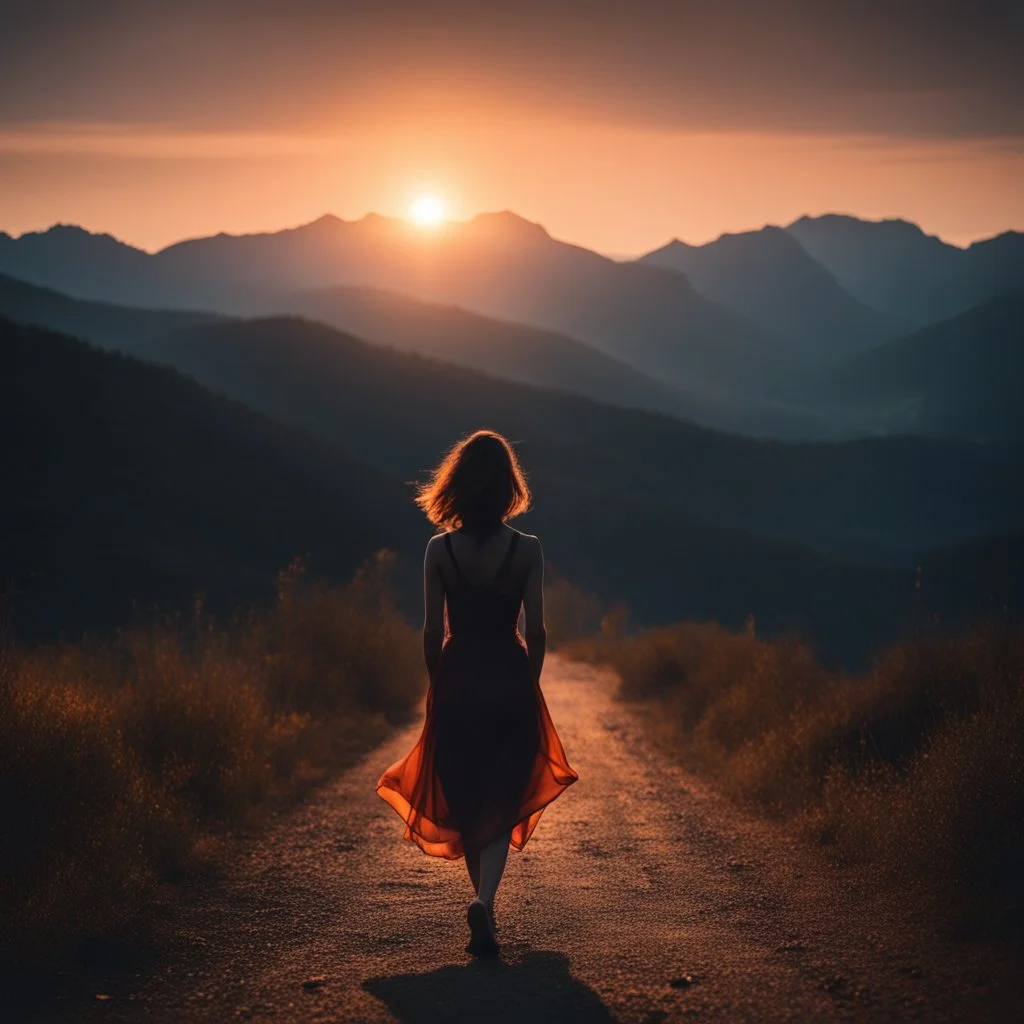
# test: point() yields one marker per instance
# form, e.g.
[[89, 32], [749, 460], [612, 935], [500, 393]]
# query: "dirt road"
[[643, 896]]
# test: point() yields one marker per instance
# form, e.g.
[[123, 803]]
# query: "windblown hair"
[[478, 486]]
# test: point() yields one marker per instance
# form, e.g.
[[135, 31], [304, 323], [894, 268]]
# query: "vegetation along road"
[[643, 896]]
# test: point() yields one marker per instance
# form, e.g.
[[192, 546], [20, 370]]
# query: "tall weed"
[[117, 757]]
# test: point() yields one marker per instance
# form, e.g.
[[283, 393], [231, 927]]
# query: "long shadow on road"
[[537, 989]]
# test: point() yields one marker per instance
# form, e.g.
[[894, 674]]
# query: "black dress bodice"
[[488, 610]]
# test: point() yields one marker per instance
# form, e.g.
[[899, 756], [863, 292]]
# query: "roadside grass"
[[916, 767], [120, 759]]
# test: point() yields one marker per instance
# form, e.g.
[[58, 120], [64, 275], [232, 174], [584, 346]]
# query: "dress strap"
[[451, 555], [509, 555]]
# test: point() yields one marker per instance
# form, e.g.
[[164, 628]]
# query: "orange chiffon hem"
[[410, 786]]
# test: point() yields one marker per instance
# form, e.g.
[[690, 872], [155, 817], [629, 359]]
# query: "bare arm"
[[533, 606], [433, 610]]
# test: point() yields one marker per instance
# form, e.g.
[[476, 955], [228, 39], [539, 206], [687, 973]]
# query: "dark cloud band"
[[936, 68]]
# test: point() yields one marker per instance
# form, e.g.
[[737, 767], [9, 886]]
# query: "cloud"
[[155, 142], [927, 69]]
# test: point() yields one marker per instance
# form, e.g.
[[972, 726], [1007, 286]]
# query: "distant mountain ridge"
[[501, 348], [769, 277], [77, 262], [505, 350], [497, 265], [126, 329], [893, 266], [730, 329], [511, 351]]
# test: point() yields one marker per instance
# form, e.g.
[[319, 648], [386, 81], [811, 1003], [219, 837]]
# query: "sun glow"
[[427, 211]]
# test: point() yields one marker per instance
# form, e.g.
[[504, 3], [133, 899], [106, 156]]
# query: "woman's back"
[[481, 601], [481, 586], [480, 561]]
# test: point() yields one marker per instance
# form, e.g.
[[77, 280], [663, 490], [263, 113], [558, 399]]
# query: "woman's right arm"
[[533, 606], [433, 609]]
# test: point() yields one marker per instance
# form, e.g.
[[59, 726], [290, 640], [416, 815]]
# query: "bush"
[[918, 766], [118, 757], [570, 613]]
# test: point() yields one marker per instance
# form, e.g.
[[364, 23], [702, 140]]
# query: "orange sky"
[[617, 126], [617, 190]]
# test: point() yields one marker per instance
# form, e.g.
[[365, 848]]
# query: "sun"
[[427, 211]]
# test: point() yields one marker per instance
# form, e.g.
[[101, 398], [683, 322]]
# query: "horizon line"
[[622, 257]]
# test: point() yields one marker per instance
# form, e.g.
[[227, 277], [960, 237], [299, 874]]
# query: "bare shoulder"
[[434, 547], [530, 546]]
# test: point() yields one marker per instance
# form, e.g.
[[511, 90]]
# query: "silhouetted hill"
[[507, 350], [75, 261], [511, 351], [995, 266], [503, 349], [131, 484], [888, 493], [498, 265], [960, 377], [502, 266], [122, 328], [893, 266], [127, 485], [770, 278], [976, 581], [624, 513]]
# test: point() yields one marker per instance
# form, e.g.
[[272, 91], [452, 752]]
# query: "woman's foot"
[[494, 922], [482, 941]]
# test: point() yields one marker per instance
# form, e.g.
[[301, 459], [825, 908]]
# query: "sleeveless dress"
[[488, 759]]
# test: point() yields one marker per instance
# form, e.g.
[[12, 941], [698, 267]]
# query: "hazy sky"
[[617, 125]]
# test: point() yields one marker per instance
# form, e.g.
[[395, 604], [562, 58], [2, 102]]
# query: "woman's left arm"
[[433, 609]]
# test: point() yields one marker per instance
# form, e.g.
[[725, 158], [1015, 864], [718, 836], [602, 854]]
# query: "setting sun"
[[427, 211]]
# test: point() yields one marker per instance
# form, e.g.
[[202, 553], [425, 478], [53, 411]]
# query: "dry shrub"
[[917, 766], [76, 807], [198, 720], [601, 646], [570, 613], [332, 650], [119, 758]]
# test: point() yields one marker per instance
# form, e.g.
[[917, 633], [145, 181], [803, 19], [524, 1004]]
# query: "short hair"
[[477, 486]]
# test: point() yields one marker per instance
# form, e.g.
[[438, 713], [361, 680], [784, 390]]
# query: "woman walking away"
[[488, 760]]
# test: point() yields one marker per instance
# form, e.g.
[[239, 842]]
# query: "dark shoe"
[[482, 941], [494, 923]]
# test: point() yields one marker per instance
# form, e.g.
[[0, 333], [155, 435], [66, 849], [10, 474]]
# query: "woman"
[[488, 759]]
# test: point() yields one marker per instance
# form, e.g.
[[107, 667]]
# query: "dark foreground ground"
[[643, 896]]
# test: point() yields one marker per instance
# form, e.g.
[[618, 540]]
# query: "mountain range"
[[732, 335], [830, 400], [399, 411], [133, 486], [406, 339], [496, 265], [770, 278], [126, 329], [511, 351], [312, 376], [894, 267], [130, 466]]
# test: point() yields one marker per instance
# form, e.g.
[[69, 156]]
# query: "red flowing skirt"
[[488, 759]]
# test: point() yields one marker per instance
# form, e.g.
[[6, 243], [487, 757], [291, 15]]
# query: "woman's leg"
[[473, 866], [492, 865]]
